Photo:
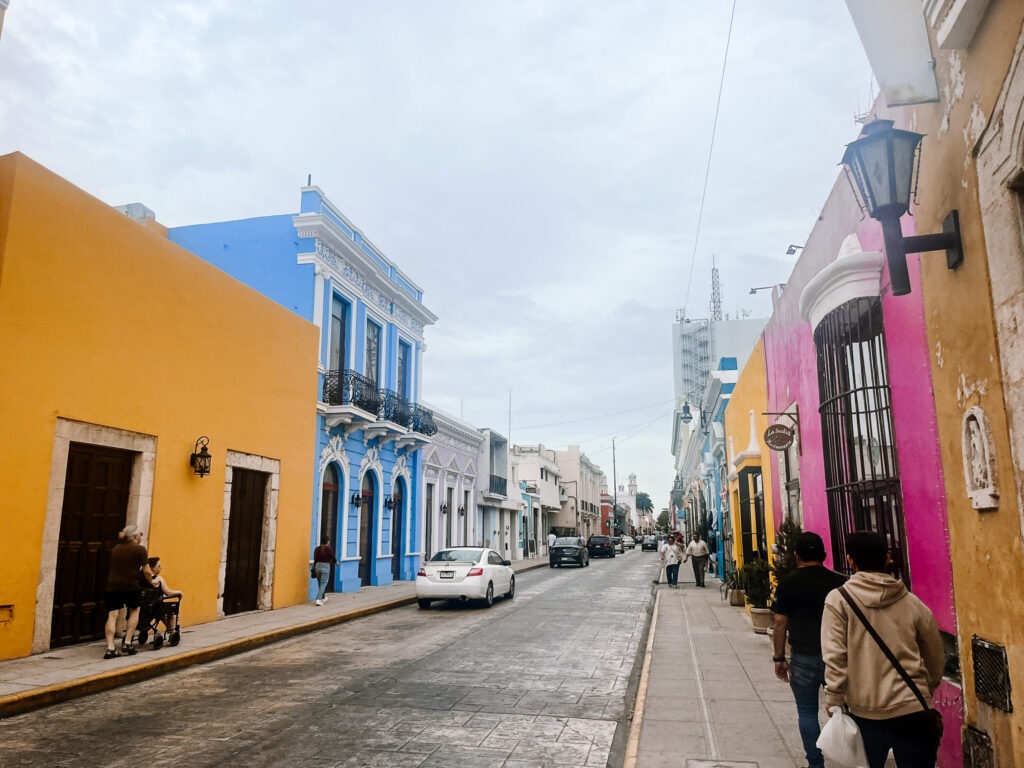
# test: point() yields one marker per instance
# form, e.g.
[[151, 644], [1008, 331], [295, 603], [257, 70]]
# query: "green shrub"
[[757, 575]]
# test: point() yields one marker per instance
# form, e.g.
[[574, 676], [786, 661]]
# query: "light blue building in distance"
[[368, 496]]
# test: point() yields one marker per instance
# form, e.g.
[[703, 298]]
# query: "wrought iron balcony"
[[423, 421], [498, 485], [394, 408], [350, 388]]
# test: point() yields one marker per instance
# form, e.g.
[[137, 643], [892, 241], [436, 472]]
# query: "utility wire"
[[592, 418], [633, 432], [711, 149]]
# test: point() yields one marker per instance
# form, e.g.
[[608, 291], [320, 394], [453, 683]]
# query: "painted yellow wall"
[[104, 321], [986, 548], [750, 394]]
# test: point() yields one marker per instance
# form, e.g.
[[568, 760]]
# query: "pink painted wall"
[[792, 377]]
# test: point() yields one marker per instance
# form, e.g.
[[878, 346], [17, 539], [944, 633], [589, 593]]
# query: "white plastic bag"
[[840, 740]]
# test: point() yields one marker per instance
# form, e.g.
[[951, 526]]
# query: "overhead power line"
[[594, 418], [711, 149]]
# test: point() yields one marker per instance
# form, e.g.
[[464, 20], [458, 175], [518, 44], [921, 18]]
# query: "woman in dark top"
[[129, 570], [323, 556]]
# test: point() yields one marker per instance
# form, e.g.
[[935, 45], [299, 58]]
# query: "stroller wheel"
[[158, 641], [175, 638], [143, 636]]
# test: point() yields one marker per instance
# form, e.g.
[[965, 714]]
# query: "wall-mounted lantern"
[[444, 509], [882, 165], [357, 500], [462, 511], [200, 460], [389, 503]]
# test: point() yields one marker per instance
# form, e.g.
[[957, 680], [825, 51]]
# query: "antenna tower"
[[716, 292]]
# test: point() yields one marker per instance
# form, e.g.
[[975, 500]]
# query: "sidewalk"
[[710, 696], [77, 670]]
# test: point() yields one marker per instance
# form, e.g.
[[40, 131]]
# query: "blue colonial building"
[[367, 499]]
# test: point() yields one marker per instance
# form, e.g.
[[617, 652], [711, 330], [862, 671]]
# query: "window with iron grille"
[[991, 674], [753, 538], [862, 478]]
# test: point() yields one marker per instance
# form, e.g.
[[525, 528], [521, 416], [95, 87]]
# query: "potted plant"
[[759, 590], [736, 581], [784, 559]]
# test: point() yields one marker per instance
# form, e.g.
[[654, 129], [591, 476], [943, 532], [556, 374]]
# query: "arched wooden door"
[[367, 516], [329, 515], [397, 528]]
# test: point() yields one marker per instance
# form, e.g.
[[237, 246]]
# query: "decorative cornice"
[[853, 275]]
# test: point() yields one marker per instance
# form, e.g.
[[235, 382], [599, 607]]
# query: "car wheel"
[[423, 604], [551, 564], [489, 597], [511, 589]]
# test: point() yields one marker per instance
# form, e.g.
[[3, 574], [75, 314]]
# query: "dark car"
[[567, 550], [600, 546], [650, 543]]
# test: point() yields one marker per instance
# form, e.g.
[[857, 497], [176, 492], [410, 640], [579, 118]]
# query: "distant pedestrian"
[[323, 557], [698, 550], [672, 556], [551, 539], [662, 545], [799, 602], [129, 570], [888, 694]]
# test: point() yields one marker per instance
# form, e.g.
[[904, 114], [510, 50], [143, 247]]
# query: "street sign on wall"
[[779, 437]]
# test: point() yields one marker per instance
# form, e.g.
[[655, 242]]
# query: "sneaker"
[[127, 649], [319, 602], [111, 654]]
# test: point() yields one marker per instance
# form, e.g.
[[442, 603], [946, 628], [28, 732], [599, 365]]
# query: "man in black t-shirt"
[[799, 603]]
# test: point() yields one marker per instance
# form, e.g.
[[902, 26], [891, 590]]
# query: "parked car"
[[465, 573], [628, 542], [567, 550], [618, 545], [600, 546], [649, 543]]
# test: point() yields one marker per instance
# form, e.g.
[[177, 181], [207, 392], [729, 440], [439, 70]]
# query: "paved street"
[[541, 680]]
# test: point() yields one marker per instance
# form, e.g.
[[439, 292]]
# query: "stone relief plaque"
[[980, 471]]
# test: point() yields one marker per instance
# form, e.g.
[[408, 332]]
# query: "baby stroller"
[[156, 609]]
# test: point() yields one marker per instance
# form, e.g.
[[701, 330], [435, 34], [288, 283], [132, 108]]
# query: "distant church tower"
[[632, 485]]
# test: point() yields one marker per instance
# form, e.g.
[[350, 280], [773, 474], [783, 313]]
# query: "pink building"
[[868, 458]]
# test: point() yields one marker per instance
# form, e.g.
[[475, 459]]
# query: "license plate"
[[447, 574]]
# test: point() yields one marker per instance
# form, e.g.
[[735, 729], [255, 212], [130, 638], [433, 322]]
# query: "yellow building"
[[971, 162], [750, 477], [119, 350]]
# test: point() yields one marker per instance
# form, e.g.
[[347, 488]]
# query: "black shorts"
[[118, 600]]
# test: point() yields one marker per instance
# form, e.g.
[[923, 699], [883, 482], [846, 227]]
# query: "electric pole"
[[615, 492]]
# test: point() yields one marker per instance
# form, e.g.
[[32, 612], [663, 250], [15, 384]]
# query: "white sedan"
[[465, 573]]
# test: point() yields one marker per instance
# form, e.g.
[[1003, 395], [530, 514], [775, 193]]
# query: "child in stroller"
[[160, 605]]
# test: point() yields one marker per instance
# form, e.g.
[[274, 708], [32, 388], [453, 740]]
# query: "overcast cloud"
[[535, 165]]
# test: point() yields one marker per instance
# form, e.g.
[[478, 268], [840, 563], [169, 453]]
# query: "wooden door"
[[367, 511], [245, 539], [329, 516], [94, 511], [397, 515]]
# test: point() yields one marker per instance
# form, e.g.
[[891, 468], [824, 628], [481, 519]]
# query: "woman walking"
[[323, 556], [129, 572], [672, 556]]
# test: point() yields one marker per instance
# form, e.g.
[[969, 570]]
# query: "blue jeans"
[[323, 573], [806, 677], [672, 572]]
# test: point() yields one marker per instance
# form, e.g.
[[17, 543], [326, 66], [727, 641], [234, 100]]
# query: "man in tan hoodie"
[[857, 672]]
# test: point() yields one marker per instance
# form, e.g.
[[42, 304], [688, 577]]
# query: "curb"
[[26, 701], [633, 741]]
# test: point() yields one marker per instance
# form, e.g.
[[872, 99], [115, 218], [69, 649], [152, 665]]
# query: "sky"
[[536, 166]]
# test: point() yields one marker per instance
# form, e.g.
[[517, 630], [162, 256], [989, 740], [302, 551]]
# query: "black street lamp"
[[882, 165], [200, 460]]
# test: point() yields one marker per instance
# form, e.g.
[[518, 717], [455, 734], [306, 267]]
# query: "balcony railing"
[[423, 421], [498, 485], [350, 388], [394, 408]]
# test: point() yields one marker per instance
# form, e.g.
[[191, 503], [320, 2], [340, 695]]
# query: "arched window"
[[862, 479], [329, 506]]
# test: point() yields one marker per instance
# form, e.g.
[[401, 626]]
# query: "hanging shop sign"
[[779, 437]]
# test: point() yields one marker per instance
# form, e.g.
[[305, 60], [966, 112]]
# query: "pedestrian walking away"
[[698, 550], [883, 658], [128, 572], [323, 557], [799, 603], [671, 556], [551, 539]]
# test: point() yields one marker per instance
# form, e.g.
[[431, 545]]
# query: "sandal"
[[111, 654], [128, 649]]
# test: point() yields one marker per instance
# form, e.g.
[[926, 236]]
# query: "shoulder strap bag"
[[934, 714]]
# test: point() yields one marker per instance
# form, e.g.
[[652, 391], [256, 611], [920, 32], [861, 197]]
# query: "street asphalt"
[[545, 679]]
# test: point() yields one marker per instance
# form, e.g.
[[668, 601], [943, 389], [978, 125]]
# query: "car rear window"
[[567, 542], [457, 556], [599, 539]]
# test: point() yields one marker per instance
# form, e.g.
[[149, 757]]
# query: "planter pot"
[[737, 597], [761, 618]]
